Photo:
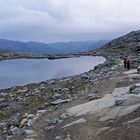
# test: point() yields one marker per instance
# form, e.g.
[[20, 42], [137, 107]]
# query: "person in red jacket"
[[128, 64]]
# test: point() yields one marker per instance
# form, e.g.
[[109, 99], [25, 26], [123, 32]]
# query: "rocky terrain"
[[102, 104], [126, 45]]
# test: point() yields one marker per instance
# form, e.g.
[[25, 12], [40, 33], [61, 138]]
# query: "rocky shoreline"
[[24, 108], [50, 93]]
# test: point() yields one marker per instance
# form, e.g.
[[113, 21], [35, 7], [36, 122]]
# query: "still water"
[[24, 71]]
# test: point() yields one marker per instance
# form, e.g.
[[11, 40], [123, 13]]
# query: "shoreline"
[[65, 77]]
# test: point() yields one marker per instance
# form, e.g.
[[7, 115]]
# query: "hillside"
[[124, 45], [53, 48]]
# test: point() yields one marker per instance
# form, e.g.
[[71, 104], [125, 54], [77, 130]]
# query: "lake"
[[24, 71]]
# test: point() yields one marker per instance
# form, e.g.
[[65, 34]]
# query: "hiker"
[[128, 64], [125, 61]]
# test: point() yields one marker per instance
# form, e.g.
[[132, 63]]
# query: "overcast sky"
[[67, 20]]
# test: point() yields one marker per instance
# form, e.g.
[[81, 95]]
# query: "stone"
[[92, 96], [64, 116], [15, 131], [58, 138], [23, 122], [136, 90], [67, 139], [56, 96], [51, 82], [82, 120], [65, 89], [119, 101], [132, 87], [30, 116], [138, 69], [58, 101], [29, 139], [3, 124], [4, 94], [14, 120], [29, 132], [54, 121], [103, 129], [50, 127], [30, 122], [42, 111]]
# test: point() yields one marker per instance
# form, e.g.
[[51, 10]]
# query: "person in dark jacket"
[[125, 62]]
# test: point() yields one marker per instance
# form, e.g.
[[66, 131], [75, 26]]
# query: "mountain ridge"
[[125, 45], [52, 48]]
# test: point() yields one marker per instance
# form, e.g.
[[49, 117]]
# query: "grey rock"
[[59, 101], [50, 127], [64, 116], [131, 100], [30, 122], [30, 132], [138, 69], [29, 139], [56, 96], [67, 139], [3, 124], [92, 96], [132, 87], [30, 116], [51, 82], [4, 94], [65, 89], [4, 103], [57, 89], [119, 101], [14, 119], [54, 121], [15, 131], [58, 138], [41, 111], [136, 90]]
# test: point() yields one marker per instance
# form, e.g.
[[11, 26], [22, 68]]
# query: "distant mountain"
[[52, 48], [125, 45]]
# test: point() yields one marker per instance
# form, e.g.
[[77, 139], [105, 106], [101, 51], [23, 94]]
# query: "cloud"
[[32, 19]]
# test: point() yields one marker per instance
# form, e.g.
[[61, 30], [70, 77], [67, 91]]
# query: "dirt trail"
[[92, 129]]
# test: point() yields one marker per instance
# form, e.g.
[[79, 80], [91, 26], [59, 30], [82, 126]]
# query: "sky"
[[67, 20]]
